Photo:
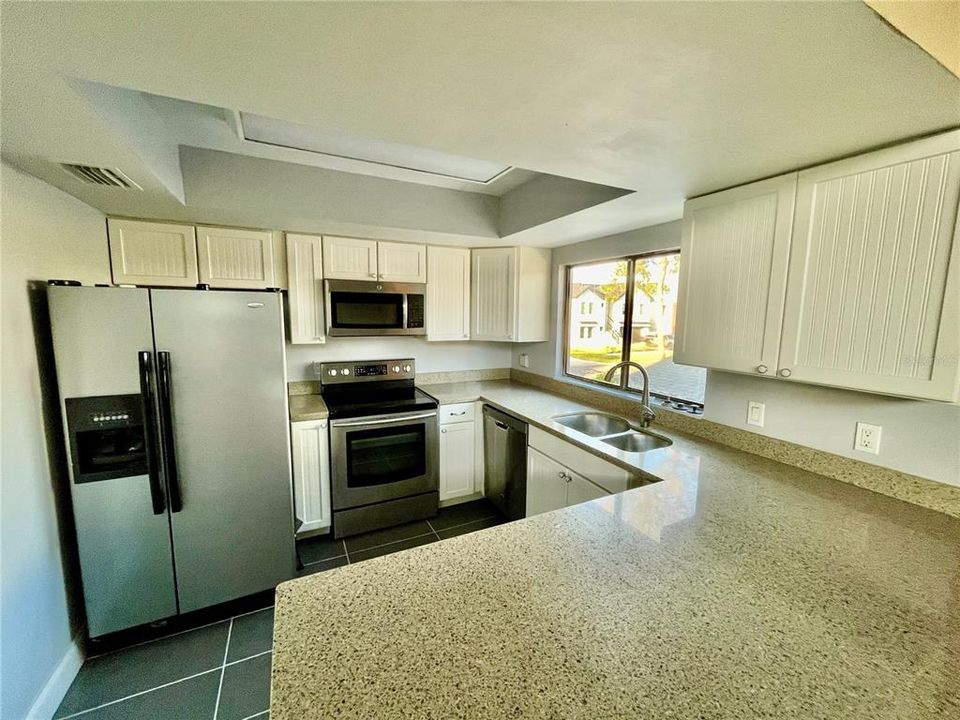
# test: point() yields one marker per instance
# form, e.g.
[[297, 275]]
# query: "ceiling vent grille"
[[107, 177]]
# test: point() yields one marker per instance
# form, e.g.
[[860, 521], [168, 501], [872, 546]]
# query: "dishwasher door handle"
[[501, 425]]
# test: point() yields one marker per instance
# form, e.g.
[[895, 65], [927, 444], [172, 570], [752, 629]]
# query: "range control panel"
[[365, 371]]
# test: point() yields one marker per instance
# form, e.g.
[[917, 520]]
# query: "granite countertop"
[[307, 407], [737, 587]]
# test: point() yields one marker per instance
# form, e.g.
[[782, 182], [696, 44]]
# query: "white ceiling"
[[668, 100]]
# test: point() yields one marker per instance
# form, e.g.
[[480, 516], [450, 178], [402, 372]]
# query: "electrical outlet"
[[755, 413], [868, 438], [524, 360]]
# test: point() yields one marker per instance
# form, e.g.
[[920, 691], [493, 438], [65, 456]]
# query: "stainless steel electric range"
[[384, 450]]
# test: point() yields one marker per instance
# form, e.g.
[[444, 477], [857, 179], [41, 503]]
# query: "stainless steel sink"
[[594, 424], [638, 441]]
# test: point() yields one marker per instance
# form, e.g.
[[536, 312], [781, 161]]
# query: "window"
[[646, 288]]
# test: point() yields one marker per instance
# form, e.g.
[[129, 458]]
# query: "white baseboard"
[[52, 694]]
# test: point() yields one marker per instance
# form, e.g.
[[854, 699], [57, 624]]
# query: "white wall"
[[44, 233], [430, 356], [919, 437]]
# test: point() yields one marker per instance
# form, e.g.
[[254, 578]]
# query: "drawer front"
[[608, 476], [458, 412]]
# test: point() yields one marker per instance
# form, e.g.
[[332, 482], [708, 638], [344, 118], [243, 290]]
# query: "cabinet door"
[[448, 293], [493, 302], [311, 474], [401, 262], [546, 483], [873, 298], [305, 297], [239, 259], [457, 460], [733, 271], [581, 490], [148, 253], [349, 258]]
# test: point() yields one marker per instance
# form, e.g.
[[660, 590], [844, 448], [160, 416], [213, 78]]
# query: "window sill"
[[658, 404]]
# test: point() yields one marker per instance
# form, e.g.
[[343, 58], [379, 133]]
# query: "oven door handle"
[[382, 421]]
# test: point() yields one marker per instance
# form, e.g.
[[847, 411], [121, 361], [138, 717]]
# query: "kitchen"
[[537, 395]]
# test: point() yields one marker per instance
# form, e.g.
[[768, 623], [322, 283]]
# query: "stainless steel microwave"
[[359, 307]]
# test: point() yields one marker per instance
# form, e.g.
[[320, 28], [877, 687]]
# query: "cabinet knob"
[[762, 369], [323, 425], [373, 275], [443, 430], [785, 372]]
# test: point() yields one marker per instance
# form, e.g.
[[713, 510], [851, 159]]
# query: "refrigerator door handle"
[[145, 361], [166, 425]]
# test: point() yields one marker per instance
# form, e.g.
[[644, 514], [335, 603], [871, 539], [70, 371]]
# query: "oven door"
[[373, 308], [387, 457]]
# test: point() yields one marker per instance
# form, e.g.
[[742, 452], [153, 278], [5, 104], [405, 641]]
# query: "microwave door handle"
[[166, 428], [383, 421], [404, 326], [145, 363]]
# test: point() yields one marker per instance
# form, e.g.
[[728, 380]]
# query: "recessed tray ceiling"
[[280, 133]]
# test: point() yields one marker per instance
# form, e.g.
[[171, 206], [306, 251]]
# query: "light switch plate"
[[755, 412], [868, 438]]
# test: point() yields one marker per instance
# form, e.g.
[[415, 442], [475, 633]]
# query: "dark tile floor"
[[221, 671]]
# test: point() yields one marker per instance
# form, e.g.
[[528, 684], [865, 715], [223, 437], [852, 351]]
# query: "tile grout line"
[[138, 694], [168, 684], [433, 530], [249, 657], [223, 669], [256, 715]]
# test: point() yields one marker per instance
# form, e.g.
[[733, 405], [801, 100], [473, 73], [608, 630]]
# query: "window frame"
[[631, 284]]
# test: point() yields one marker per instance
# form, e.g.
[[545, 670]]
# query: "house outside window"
[[597, 299]]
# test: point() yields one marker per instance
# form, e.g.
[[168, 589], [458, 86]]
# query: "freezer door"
[[126, 562], [229, 449]]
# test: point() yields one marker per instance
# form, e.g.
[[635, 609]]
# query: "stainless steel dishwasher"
[[505, 462]]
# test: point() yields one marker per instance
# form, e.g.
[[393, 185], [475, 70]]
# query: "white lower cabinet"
[[551, 486], [311, 475], [461, 452]]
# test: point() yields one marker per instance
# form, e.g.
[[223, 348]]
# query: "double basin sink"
[[614, 431]]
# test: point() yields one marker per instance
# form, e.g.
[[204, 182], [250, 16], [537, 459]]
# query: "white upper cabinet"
[[150, 253], [401, 262], [873, 298], [305, 280], [510, 294], [855, 286], [240, 259], [448, 293], [349, 258], [733, 260]]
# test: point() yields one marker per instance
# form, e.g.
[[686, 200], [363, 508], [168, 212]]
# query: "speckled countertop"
[[737, 587], [307, 407]]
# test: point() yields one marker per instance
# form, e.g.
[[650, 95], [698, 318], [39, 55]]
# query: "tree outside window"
[[649, 286]]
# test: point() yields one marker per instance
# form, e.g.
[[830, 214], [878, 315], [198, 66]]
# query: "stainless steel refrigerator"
[[175, 415]]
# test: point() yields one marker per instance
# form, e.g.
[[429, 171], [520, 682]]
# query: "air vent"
[[107, 177]]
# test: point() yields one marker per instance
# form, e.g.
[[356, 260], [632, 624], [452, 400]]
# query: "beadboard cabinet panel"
[[510, 294], [448, 293], [152, 253], [236, 259], [305, 296], [349, 258], [733, 258], [311, 474], [873, 301], [458, 466]]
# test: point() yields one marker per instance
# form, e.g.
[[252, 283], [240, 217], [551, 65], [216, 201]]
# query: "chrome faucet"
[[646, 414]]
